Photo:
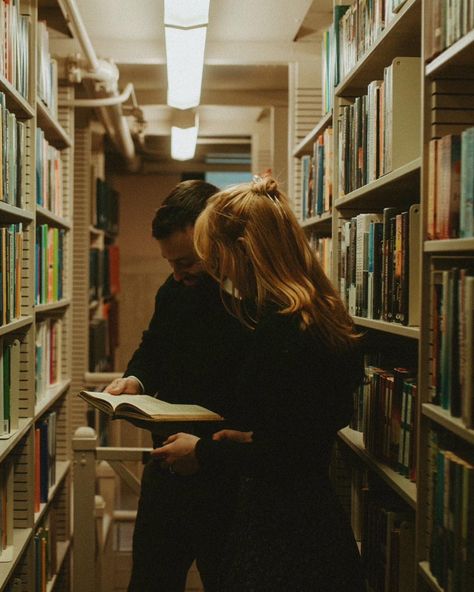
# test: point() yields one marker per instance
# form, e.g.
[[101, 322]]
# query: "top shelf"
[[460, 53], [306, 144], [401, 38], [53, 131], [55, 13]]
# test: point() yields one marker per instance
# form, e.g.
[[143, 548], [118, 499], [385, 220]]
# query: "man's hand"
[[128, 385], [178, 453], [234, 435]]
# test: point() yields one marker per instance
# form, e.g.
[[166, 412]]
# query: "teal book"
[[466, 212]]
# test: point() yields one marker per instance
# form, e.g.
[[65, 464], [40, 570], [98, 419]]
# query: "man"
[[191, 353]]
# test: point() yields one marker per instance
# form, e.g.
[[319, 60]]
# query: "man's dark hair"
[[181, 207]]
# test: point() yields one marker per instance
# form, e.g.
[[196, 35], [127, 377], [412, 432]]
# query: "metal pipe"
[[102, 101]]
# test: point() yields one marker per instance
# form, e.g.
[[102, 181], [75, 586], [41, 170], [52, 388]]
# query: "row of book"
[[451, 186], [322, 246], [359, 26], [9, 385], [387, 535], [104, 272], [451, 544], [452, 338], [48, 175], [49, 264], [379, 132], [316, 183], [14, 49], [105, 210], [12, 156], [450, 20], [11, 254], [379, 264], [48, 343], [45, 459], [47, 71], [385, 412]]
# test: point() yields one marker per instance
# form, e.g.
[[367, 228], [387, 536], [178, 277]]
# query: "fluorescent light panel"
[[186, 13], [185, 64], [183, 142]]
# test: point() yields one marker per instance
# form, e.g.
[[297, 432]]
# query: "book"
[[146, 408]]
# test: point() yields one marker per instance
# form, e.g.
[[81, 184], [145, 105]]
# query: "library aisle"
[[363, 110]]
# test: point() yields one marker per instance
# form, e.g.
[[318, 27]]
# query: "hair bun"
[[266, 186]]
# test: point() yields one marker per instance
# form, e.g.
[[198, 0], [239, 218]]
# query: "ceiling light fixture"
[[186, 13], [183, 142], [185, 64]]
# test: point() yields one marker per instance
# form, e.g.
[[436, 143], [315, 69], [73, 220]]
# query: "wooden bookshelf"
[[53, 130], [54, 393], [62, 469], [16, 103], [16, 325], [391, 328], [402, 486], [443, 418], [428, 577], [41, 309], [63, 549], [21, 539], [45, 216], [306, 144], [401, 38], [6, 446], [454, 245], [460, 54], [320, 222], [393, 189], [12, 214]]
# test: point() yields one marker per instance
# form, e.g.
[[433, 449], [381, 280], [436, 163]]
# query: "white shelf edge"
[[303, 146], [53, 393], [315, 220], [16, 325], [59, 139], [52, 306], [62, 469], [401, 485], [7, 445], [393, 328], [21, 104], [21, 538], [20, 213], [444, 59], [392, 177], [450, 245], [425, 571], [444, 418], [49, 216]]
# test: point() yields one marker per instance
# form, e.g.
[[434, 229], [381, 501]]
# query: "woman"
[[294, 393]]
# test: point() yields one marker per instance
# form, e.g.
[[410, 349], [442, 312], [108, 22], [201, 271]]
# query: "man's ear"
[[242, 244]]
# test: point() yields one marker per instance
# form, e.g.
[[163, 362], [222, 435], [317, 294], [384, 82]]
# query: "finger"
[[221, 435], [171, 439], [116, 386], [161, 452]]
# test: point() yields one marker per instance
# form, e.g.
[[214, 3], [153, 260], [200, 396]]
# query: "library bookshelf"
[[410, 447], [35, 330]]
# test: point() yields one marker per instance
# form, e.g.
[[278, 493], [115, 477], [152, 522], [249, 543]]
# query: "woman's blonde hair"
[[249, 235]]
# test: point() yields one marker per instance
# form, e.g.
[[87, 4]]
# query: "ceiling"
[[249, 45]]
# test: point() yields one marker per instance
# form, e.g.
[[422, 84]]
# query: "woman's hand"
[[234, 435], [178, 454]]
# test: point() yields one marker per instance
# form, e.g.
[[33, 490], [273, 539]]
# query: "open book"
[[144, 407]]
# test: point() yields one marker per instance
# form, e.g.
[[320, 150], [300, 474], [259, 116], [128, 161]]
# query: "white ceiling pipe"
[[112, 117]]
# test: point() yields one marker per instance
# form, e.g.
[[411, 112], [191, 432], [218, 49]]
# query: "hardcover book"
[[147, 408]]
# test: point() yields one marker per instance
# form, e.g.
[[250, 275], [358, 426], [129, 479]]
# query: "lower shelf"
[[425, 571], [405, 488], [21, 538]]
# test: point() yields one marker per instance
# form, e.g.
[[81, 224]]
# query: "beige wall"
[[142, 270]]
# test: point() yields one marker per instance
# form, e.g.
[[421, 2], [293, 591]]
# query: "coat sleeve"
[[145, 362]]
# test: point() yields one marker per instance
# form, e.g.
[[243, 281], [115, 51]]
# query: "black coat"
[[290, 532]]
